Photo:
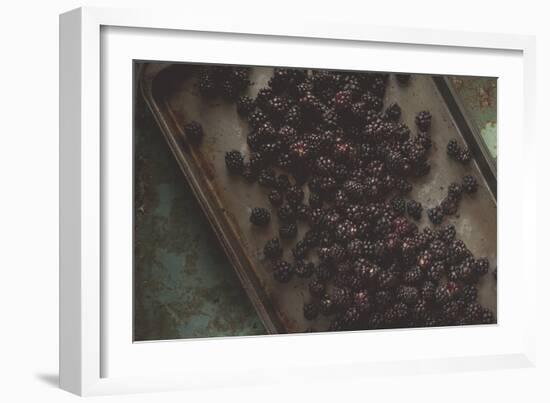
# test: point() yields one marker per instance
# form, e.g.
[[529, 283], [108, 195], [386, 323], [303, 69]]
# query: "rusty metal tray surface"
[[227, 200]]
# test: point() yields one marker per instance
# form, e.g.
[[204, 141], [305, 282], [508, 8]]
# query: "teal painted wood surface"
[[184, 284]]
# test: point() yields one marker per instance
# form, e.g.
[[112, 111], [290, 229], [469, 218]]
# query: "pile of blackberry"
[[328, 155]]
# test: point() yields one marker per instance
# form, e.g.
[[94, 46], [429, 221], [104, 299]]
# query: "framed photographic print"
[[235, 200]]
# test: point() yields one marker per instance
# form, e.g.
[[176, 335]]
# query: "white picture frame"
[[97, 355]]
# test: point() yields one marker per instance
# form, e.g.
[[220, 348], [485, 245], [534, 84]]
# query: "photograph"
[[276, 200]]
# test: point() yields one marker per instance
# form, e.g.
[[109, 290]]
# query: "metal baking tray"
[[227, 200]]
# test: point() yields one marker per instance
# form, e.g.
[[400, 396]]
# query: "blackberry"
[[324, 165], [343, 100], [396, 314], [402, 186], [304, 269], [438, 249], [377, 84], [207, 85], [316, 287], [258, 160], [263, 96], [302, 212], [453, 149], [481, 266], [240, 77], [362, 301], [326, 305], [311, 310], [351, 316], [403, 79], [407, 294], [260, 216], [276, 108], [386, 279], [272, 249], [288, 231], [300, 250], [383, 298], [435, 272], [288, 135], [256, 118], [458, 251], [446, 292], [282, 272], [311, 107], [346, 231], [353, 189], [311, 238], [419, 311], [401, 132], [293, 117], [344, 152], [355, 248], [193, 132], [469, 293], [284, 161], [376, 321], [472, 313], [414, 209], [447, 233], [470, 184], [454, 191], [228, 90], [413, 275], [267, 178], [300, 151], [393, 112], [280, 80], [286, 214], [466, 271], [424, 140], [283, 183], [398, 204], [275, 197], [423, 120], [450, 312], [449, 205], [234, 161], [435, 214], [366, 272], [427, 291], [336, 253], [424, 259], [342, 297], [254, 141], [294, 195]]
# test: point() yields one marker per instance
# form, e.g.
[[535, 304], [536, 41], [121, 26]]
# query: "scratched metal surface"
[[476, 223], [184, 284]]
